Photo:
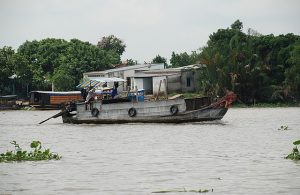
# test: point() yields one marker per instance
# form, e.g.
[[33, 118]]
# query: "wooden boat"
[[8, 102], [161, 111], [51, 99]]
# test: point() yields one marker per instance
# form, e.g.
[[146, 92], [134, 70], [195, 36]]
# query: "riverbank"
[[242, 105], [265, 105]]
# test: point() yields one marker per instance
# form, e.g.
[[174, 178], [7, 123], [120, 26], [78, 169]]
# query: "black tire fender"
[[174, 110], [95, 112], [132, 112]]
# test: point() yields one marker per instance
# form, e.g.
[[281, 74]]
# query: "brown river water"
[[241, 154]]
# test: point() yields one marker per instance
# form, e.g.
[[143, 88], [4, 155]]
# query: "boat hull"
[[206, 114], [163, 111]]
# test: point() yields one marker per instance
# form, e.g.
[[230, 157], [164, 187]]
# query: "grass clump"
[[294, 155], [37, 153]]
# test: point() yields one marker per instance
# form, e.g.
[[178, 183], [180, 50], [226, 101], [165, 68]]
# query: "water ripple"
[[241, 154]]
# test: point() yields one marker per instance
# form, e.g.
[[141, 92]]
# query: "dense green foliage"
[[258, 68], [39, 64], [131, 62], [112, 43], [183, 59], [22, 155], [158, 59]]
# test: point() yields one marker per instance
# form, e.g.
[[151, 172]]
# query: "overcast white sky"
[[148, 27]]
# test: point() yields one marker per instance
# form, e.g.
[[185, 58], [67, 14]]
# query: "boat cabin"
[[100, 87], [8, 101], [51, 99]]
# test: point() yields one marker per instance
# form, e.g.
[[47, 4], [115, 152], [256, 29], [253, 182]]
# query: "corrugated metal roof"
[[142, 75], [175, 70], [124, 68], [106, 79]]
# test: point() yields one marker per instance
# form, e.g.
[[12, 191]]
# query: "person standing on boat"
[[83, 93], [114, 93], [91, 94]]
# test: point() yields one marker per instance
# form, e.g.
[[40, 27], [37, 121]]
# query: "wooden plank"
[[61, 99]]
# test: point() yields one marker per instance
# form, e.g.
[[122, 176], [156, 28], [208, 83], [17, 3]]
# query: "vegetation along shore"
[[261, 69]]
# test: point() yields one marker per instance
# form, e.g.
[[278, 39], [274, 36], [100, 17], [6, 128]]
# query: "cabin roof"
[[8, 96], [93, 81], [57, 92]]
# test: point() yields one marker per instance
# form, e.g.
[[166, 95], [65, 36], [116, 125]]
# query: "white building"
[[126, 73], [153, 78], [181, 80]]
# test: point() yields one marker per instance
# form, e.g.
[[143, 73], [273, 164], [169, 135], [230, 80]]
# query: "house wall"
[[126, 74], [188, 86], [184, 81], [139, 83], [156, 81], [174, 83], [144, 83], [177, 83]]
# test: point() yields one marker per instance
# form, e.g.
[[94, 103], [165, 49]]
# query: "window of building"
[[188, 81]]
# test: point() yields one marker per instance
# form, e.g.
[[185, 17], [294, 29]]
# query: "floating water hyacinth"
[[294, 155], [283, 127], [37, 153], [183, 190]]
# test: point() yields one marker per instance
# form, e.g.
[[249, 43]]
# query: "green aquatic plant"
[[183, 190], [28, 108], [37, 153], [294, 155], [283, 127]]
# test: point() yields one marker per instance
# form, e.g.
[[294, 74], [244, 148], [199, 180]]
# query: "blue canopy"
[[94, 81], [85, 84]]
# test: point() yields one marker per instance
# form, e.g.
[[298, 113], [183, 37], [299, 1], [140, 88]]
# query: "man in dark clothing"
[[83, 93]]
